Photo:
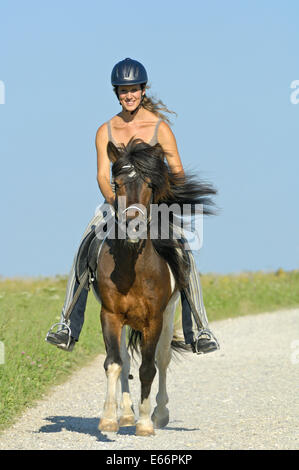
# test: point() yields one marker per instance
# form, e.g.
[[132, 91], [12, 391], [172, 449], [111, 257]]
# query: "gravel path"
[[244, 396]]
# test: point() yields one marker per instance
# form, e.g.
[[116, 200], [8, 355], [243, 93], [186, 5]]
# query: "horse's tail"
[[135, 337], [134, 340]]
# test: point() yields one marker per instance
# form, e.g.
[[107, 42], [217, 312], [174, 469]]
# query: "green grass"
[[229, 296], [27, 310], [28, 307]]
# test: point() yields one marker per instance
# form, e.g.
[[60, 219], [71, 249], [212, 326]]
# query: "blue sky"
[[224, 67]]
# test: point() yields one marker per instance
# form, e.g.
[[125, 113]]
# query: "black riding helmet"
[[128, 72]]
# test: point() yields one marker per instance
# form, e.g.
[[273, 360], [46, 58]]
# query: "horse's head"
[[142, 177], [139, 175]]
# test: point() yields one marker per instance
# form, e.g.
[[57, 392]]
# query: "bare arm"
[[103, 164], [167, 139]]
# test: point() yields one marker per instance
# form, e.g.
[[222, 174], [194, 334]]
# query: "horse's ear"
[[113, 152]]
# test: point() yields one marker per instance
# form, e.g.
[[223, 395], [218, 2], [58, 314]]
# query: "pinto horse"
[[139, 280]]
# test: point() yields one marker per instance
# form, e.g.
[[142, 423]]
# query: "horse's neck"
[[125, 256], [125, 259]]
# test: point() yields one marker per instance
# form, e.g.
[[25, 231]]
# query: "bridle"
[[118, 216]]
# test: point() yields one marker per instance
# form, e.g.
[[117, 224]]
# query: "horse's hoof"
[[128, 420], [142, 430], [160, 422], [108, 425]]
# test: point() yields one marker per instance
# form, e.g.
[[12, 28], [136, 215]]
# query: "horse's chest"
[[134, 288], [145, 298]]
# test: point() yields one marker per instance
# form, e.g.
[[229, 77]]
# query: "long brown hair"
[[153, 105], [156, 107]]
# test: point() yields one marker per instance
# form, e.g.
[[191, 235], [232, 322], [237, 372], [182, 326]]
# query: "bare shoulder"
[[168, 142], [165, 133], [101, 132]]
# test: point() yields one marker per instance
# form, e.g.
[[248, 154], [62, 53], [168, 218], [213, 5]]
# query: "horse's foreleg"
[[127, 417], [160, 416], [111, 328], [147, 372]]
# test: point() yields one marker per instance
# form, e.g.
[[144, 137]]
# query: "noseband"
[[132, 206]]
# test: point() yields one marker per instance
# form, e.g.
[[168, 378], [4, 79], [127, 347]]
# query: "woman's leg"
[[76, 317], [194, 317]]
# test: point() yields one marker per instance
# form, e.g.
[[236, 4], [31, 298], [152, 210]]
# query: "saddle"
[[87, 257]]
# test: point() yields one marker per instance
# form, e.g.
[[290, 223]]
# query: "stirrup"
[[206, 333], [64, 326]]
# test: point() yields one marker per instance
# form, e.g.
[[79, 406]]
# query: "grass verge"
[[31, 366], [229, 296]]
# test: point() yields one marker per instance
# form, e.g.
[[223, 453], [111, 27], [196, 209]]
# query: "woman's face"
[[130, 96]]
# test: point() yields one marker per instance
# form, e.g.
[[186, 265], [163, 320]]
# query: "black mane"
[[149, 162]]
